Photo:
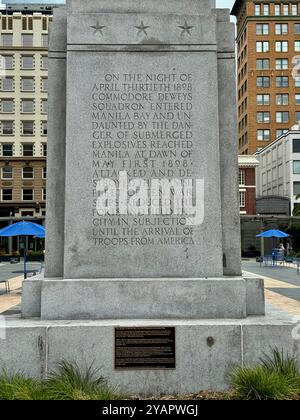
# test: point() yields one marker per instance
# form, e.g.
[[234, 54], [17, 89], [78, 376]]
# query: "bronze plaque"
[[145, 348]]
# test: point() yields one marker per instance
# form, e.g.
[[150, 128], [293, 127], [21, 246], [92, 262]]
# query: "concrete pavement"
[[10, 303]]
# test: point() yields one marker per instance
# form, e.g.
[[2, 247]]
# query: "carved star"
[[186, 28], [142, 28], [98, 28]]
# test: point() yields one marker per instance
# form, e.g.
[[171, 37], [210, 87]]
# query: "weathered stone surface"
[[255, 295], [207, 350], [23, 350], [144, 299], [54, 259], [31, 297]]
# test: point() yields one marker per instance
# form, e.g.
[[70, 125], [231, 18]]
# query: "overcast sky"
[[225, 3]]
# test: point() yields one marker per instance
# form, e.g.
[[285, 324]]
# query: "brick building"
[[247, 184], [268, 47]]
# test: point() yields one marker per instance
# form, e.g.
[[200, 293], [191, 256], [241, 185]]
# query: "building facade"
[[23, 109], [247, 184], [268, 49], [278, 173]]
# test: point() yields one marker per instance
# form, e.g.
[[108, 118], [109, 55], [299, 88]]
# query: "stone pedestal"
[[143, 210]]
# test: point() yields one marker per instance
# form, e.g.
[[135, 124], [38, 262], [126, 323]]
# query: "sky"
[[225, 3]]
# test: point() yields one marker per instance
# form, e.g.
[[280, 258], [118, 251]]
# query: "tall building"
[[278, 174], [268, 49], [23, 108], [247, 184]]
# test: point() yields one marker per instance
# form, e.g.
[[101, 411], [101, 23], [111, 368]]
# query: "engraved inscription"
[[142, 146], [145, 348]]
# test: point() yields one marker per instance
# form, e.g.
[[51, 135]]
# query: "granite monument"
[[143, 236]]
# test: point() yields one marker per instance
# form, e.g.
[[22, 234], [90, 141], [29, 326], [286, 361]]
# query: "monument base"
[[98, 299], [206, 350]]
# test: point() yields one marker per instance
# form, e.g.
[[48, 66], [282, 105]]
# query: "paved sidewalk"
[[11, 303], [282, 285]]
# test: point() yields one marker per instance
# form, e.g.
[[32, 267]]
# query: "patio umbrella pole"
[[25, 252]]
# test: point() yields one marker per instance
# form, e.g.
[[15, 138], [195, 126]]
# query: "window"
[[44, 172], [7, 40], [242, 199], [27, 149], [297, 81], [282, 99], [27, 62], [262, 46], [27, 195], [27, 213], [282, 117], [7, 150], [7, 194], [297, 46], [44, 128], [44, 106], [294, 9], [297, 116], [257, 10], [262, 29], [44, 62], [263, 81], [282, 81], [27, 40], [27, 84], [263, 99], [282, 64], [266, 9], [297, 28], [263, 117], [297, 99], [280, 132], [7, 105], [44, 194], [296, 166], [296, 188], [296, 145], [45, 41], [27, 128], [7, 172], [44, 150], [285, 8], [44, 84], [281, 28], [27, 172], [281, 46], [27, 105], [8, 62], [277, 9], [241, 177], [7, 84], [262, 64], [7, 128], [263, 135]]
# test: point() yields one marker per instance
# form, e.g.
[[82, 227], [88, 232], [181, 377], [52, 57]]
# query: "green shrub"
[[18, 387], [68, 382], [275, 378]]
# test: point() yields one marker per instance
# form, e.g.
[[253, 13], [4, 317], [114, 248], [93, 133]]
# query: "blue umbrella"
[[23, 229], [273, 233], [41, 235]]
